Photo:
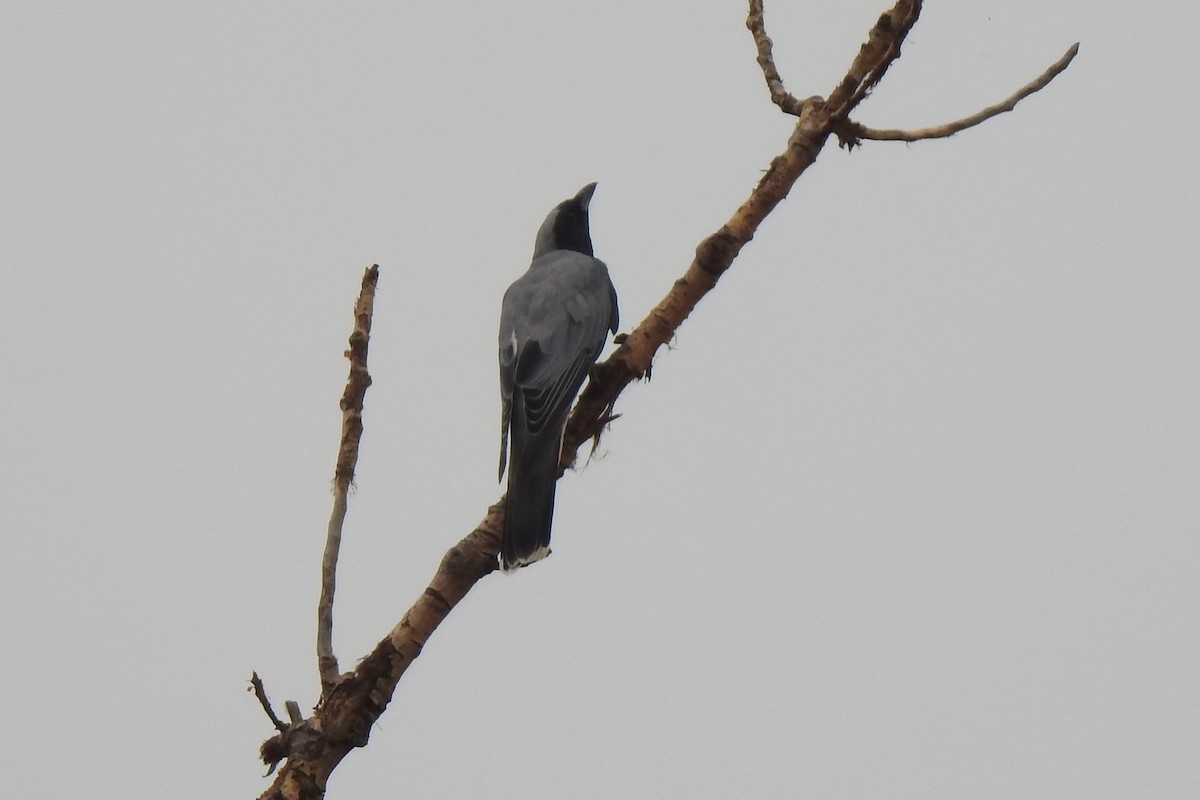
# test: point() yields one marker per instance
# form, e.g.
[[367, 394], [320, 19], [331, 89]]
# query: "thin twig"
[[352, 426], [766, 60], [856, 131], [261, 694]]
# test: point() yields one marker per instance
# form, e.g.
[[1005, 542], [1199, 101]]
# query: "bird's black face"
[[571, 227]]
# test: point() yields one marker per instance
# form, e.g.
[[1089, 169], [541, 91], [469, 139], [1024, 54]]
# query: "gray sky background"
[[909, 511]]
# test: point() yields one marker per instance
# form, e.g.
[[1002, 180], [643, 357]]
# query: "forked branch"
[[818, 118], [351, 703]]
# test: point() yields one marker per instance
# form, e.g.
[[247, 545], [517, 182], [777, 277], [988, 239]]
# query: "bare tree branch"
[[275, 749], [351, 703], [878, 53], [853, 131], [352, 426], [766, 60], [261, 693]]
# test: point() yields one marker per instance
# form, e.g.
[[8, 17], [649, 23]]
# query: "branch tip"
[[852, 133], [766, 61], [293, 711], [256, 685], [352, 427]]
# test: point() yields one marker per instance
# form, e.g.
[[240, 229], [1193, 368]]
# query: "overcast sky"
[[909, 510]]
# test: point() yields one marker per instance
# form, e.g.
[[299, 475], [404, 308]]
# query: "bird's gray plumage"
[[553, 324]]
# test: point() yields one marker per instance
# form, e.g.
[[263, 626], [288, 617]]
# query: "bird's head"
[[566, 227]]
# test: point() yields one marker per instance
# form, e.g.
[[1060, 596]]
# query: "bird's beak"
[[585, 195]]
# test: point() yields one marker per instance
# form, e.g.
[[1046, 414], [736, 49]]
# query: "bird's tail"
[[529, 509], [528, 514]]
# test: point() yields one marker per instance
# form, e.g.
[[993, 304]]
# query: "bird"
[[554, 322]]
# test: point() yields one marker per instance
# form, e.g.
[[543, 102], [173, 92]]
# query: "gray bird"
[[553, 324]]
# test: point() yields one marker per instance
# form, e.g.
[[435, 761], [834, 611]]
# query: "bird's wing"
[[553, 325], [508, 365], [615, 312]]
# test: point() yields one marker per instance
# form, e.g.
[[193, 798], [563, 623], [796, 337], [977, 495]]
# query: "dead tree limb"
[[351, 703], [766, 61], [853, 132], [261, 693], [343, 476]]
